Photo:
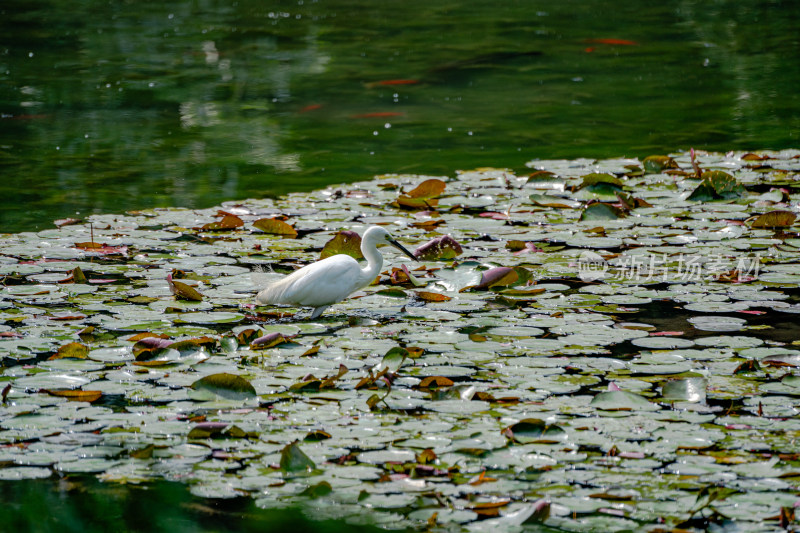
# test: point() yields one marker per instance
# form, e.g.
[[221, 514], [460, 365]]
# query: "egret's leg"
[[318, 311]]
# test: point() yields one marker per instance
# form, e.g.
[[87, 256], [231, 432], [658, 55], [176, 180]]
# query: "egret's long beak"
[[401, 248]]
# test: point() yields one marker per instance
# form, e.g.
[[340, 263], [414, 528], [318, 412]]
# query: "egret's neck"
[[374, 261]]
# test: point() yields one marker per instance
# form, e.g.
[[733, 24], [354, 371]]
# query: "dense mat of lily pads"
[[595, 345]]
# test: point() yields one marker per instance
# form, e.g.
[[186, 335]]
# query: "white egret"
[[321, 284]]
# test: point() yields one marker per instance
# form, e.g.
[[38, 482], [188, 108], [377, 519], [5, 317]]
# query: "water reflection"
[[111, 106]]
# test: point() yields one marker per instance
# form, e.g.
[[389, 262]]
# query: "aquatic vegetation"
[[610, 371]]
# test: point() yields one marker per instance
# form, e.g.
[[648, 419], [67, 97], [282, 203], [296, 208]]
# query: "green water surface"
[[119, 105]]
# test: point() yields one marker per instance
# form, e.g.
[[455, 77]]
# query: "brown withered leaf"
[[435, 381], [75, 395], [432, 296], [227, 223]]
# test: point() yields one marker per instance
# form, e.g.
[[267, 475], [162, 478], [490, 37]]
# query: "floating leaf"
[[601, 211], [658, 163], [393, 292], [102, 249], [774, 219], [311, 351], [147, 335], [72, 350], [294, 461], [205, 430], [274, 226], [150, 345], [410, 277], [716, 185], [544, 200], [619, 400], [318, 490], [88, 245], [422, 196], [497, 277], [247, 336], [428, 225], [426, 456], [440, 248], [604, 186], [143, 453], [76, 275], [534, 430], [317, 436], [392, 360], [269, 340], [344, 242], [227, 223], [228, 386], [75, 395], [414, 351], [427, 189], [308, 384], [218, 430], [435, 381], [191, 345], [432, 296], [182, 291]]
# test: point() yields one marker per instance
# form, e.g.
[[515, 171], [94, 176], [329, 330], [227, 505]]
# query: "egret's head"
[[379, 235]]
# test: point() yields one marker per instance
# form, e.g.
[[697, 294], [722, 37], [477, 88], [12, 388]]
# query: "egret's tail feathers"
[[272, 294], [262, 298]]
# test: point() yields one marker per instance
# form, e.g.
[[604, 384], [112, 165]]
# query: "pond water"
[[112, 106], [83, 504]]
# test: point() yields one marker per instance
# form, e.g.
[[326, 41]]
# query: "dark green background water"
[[108, 106], [117, 105]]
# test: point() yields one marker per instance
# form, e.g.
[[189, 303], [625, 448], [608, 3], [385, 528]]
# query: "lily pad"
[[224, 385], [716, 185]]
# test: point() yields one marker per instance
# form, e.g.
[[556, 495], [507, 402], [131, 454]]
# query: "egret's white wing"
[[321, 283]]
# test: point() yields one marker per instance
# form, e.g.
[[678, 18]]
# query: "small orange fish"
[[379, 114], [618, 42], [389, 83], [310, 107]]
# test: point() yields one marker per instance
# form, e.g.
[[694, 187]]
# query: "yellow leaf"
[[76, 395], [275, 227], [72, 350], [427, 189]]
